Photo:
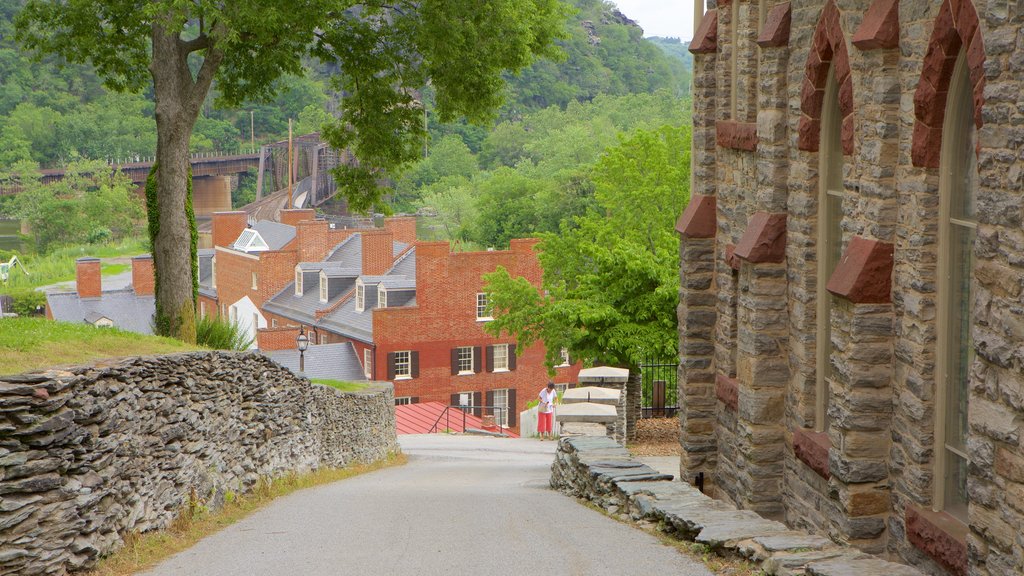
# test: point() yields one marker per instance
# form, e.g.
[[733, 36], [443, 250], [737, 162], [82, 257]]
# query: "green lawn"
[[59, 265], [35, 343], [340, 384]]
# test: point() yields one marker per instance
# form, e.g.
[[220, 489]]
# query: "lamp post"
[[302, 341]]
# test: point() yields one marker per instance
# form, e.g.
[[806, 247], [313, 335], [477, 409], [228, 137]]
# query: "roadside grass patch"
[[340, 384], [59, 265], [195, 522], [36, 343]]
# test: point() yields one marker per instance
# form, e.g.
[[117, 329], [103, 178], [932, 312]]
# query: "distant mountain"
[[675, 48]]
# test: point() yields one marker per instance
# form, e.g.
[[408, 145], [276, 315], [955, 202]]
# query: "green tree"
[[610, 285], [461, 47]]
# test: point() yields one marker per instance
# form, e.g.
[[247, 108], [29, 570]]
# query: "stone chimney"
[[87, 277], [294, 216], [403, 228], [142, 275], [378, 251], [228, 226]]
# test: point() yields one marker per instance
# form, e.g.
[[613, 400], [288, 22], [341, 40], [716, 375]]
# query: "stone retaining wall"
[[89, 454], [601, 471]]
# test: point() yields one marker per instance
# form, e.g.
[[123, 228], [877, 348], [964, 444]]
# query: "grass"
[[111, 269], [36, 343], [59, 264], [340, 384], [141, 552]]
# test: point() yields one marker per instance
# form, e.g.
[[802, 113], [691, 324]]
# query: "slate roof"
[[275, 234], [349, 252], [123, 307], [330, 361], [406, 265]]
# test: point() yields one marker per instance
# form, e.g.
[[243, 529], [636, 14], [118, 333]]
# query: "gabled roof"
[[124, 308], [264, 235], [349, 252], [328, 361]]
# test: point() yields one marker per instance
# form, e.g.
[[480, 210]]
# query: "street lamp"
[[302, 341]]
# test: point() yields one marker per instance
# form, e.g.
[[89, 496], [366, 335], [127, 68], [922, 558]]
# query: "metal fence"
[[659, 394]]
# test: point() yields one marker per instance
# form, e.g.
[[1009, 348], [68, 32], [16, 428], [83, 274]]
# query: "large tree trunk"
[[179, 98]]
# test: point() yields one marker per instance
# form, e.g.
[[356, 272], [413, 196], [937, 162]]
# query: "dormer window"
[[250, 241], [382, 297], [298, 281], [323, 287], [360, 296]]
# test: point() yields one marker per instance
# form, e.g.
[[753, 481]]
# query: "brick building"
[[851, 306], [128, 308]]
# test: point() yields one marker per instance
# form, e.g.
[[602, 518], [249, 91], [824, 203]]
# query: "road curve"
[[462, 505]]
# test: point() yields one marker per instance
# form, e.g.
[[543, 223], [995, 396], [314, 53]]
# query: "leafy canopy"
[[611, 283]]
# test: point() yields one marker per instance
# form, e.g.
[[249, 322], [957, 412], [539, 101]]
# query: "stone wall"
[[90, 454], [857, 456]]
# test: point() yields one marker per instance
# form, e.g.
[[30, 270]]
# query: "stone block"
[[940, 536]]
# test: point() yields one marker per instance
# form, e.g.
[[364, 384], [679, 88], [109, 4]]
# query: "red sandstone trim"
[[775, 32], [727, 390], [880, 28], [764, 239], [730, 257], [940, 536], [812, 448], [948, 36], [736, 135], [828, 48], [864, 273], [705, 39], [699, 220]]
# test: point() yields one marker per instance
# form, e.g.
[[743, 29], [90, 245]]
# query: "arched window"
[[830, 236], [957, 224]]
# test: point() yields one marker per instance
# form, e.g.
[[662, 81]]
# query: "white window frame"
[[500, 362], [213, 272], [323, 338], [564, 353], [323, 287], [273, 322], [403, 365], [255, 283], [403, 400], [360, 296], [382, 297], [830, 238], [481, 308], [202, 309], [298, 281], [368, 363], [464, 358], [465, 399], [501, 416]]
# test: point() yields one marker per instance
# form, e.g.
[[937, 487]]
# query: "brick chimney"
[[228, 226], [282, 338], [313, 240], [294, 216], [142, 275], [87, 277], [378, 251], [402, 228]]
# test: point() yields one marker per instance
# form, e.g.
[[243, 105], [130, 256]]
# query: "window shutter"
[[477, 359], [511, 356], [455, 361], [512, 410], [414, 400], [455, 400], [490, 403], [477, 401], [490, 358], [414, 364], [391, 365]]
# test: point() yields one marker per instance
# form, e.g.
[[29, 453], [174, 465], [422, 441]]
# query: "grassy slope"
[[59, 265], [34, 343], [340, 384]]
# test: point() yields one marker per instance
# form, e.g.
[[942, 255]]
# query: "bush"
[[221, 334], [25, 301]]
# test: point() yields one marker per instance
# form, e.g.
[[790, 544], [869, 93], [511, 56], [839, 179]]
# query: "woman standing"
[[545, 413]]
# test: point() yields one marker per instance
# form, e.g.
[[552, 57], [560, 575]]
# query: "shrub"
[[24, 301], [221, 334]]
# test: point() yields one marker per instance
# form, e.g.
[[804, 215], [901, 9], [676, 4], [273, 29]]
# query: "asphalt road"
[[461, 506]]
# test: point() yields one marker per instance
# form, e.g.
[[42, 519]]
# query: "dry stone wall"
[[90, 454]]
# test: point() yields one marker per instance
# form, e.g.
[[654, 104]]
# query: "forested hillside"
[[53, 115]]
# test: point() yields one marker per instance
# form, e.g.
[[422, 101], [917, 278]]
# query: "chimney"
[[403, 228], [294, 216], [282, 338], [378, 251], [313, 240], [228, 226], [87, 277], [142, 275]]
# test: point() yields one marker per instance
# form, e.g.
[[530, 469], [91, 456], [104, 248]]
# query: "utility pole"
[[252, 133], [290, 175]]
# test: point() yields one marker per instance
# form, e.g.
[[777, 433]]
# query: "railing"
[[659, 392], [446, 416]]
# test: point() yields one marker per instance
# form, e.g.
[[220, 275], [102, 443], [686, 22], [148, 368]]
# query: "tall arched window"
[[830, 235], [955, 351]]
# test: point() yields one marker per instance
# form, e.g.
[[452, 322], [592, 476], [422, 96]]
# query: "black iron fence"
[[659, 397]]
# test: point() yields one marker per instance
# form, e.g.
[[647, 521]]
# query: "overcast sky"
[[660, 17]]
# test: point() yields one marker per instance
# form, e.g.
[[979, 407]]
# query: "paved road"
[[461, 506]]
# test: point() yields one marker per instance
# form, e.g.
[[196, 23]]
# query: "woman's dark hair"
[[551, 384]]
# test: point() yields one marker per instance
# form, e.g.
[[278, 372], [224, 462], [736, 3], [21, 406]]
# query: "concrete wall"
[[92, 453]]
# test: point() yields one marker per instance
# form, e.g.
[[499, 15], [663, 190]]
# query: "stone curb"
[[603, 472]]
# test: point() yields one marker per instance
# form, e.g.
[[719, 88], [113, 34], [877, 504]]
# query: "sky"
[[660, 17]]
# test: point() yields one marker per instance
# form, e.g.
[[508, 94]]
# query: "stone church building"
[[852, 259]]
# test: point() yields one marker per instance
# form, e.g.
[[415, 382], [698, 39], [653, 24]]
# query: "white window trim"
[[360, 295], [501, 416], [466, 394], [479, 318], [368, 363], [382, 297], [408, 365], [459, 359], [273, 322], [403, 400], [255, 282], [298, 281], [495, 356], [202, 309], [323, 288]]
